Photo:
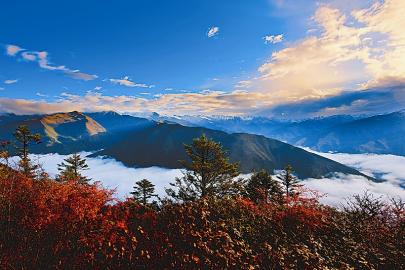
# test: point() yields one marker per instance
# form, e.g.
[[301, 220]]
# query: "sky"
[[194, 57]]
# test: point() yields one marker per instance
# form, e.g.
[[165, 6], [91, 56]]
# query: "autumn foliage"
[[66, 225]]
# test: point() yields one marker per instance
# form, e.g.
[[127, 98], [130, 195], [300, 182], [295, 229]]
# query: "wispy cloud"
[[42, 58], [273, 39], [213, 31], [40, 94], [12, 50], [10, 81], [127, 82]]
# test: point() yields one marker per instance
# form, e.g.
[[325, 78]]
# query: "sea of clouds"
[[115, 175]]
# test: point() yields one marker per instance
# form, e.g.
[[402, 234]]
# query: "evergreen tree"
[[207, 173], [143, 191], [71, 170], [261, 187], [289, 181], [24, 138]]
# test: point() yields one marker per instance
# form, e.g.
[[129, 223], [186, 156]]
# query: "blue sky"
[[188, 57]]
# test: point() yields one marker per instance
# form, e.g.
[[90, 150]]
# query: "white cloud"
[[341, 187], [41, 95], [75, 74], [12, 50], [41, 57], [364, 47], [115, 175], [29, 56], [210, 103], [273, 39], [127, 82], [388, 167], [385, 167], [10, 81], [213, 31]]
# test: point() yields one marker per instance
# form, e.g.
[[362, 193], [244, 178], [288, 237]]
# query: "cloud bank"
[[337, 189], [112, 174], [384, 167]]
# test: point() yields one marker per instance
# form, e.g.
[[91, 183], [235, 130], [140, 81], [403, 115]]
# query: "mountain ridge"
[[139, 142]]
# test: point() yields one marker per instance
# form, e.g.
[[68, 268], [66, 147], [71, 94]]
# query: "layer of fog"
[[113, 174], [389, 168]]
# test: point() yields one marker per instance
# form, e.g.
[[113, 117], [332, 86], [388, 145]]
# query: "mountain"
[[139, 142], [65, 133], [162, 145], [381, 134]]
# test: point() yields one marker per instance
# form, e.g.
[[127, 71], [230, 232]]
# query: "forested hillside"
[[210, 219]]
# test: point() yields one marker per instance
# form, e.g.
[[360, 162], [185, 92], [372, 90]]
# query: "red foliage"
[[51, 225]]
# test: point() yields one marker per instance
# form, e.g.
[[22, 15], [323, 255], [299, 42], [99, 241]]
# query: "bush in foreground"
[[51, 225]]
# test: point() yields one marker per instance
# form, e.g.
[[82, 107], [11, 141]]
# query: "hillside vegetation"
[[210, 220]]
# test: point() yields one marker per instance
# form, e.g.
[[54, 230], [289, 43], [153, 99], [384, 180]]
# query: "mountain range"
[[140, 142], [380, 134]]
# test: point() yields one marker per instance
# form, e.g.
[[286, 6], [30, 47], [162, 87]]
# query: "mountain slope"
[[61, 132], [65, 133], [162, 145], [381, 134], [143, 143]]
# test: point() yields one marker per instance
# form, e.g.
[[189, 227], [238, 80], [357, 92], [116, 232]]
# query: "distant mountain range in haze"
[[140, 142], [380, 134]]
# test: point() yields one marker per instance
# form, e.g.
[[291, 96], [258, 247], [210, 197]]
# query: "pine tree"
[[71, 170], [208, 173], [289, 181], [143, 191], [24, 138], [261, 187]]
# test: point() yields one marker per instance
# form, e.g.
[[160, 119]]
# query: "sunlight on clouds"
[[213, 102], [364, 48], [386, 59], [12, 50], [369, 51]]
